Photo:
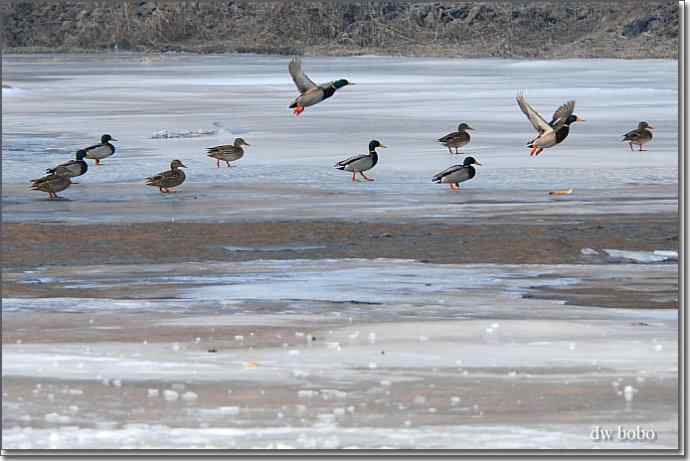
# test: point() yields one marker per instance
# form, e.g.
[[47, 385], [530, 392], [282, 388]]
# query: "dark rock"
[[639, 26]]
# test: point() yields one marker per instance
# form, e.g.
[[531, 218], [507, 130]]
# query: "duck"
[[168, 180], [101, 151], [310, 92], [458, 138], [552, 133], [361, 163], [456, 174], [52, 183], [228, 152], [640, 136], [73, 168]]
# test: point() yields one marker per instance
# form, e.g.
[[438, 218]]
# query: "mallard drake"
[[640, 136], [361, 163], [456, 174], [310, 92], [168, 179], [100, 151], [552, 133], [228, 152], [52, 184], [73, 168], [458, 138]]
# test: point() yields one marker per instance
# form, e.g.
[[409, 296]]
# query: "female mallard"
[[456, 174], [310, 92], [641, 136], [100, 151], [168, 179], [361, 163], [552, 133], [228, 152], [52, 184], [458, 138], [73, 168]]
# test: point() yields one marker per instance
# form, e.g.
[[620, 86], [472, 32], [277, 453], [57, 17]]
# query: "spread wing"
[[562, 114], [302, 82], [534, 117]]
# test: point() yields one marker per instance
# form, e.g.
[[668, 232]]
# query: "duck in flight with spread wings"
[[552, 133], [310, 92]]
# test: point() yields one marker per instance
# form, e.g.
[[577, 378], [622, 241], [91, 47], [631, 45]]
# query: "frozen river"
[[282, 340], [60, 103]]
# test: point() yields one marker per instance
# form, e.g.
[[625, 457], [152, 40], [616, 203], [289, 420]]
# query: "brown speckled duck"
[[228, 152], [52, 183], [457, 139], [168, 180], [640, 136]]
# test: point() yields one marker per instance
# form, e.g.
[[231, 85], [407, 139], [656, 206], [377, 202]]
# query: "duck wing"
[[631, 135], [449, 136], [160, 177], [227, 149], [450, 170], [561, 115], [302, 82], [343, 163], [534, 117]]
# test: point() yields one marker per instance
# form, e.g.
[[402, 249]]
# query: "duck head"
[[106, 137], [241, 142], [175, 164], [81, 154], [470, 161], [573, 118], [644, 126], [464, 127], [341, 83], [374, 144]]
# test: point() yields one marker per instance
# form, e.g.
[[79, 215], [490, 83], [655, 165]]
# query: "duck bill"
[[477, 163], [580, 120], [183, 165], [651, 127], [113, 139], [381, 145]]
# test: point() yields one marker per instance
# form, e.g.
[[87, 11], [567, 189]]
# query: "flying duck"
[[228, 152], [310, 92], [52, 184], [458, 138], [456, 174], [361, 163], [73, 168], [552, 133], [168, 179], [640, 136], [100, 151]]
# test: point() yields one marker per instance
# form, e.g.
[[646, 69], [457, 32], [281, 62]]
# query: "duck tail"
[[293, 105]]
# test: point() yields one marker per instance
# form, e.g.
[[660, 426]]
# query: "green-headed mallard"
[[456, 174], [168, 179], [361, 163], [457, 139], [228, 152], [310, 92], [100, 151], [552, 133], [52, 184], [73, 168], [640, 136]]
